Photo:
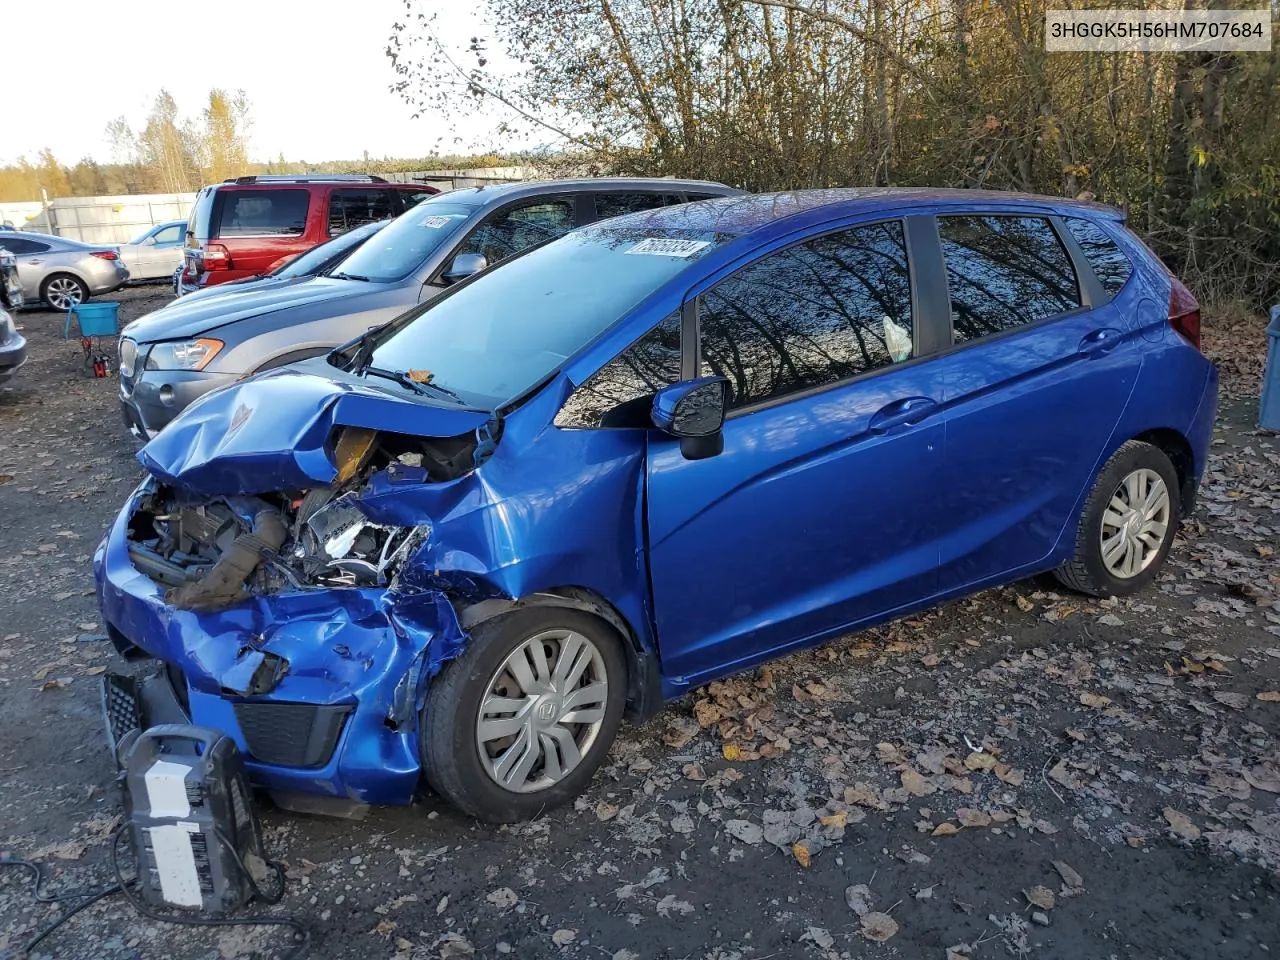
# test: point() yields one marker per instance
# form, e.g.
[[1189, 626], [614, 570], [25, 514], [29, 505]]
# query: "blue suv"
[[652, 452]]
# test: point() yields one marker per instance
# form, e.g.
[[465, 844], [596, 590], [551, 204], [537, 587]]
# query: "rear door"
[[822, 509], [1036, 379], [350, 207]]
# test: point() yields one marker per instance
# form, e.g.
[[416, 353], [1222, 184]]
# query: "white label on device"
[[176, 863], [167, 789], [667, 247]]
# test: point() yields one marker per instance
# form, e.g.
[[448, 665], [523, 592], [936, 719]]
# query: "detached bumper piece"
[[137, 702]]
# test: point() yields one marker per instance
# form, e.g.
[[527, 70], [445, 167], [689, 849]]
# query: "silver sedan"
[[63, 272]]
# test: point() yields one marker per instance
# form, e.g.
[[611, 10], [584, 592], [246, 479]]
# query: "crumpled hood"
[[191, 317], [271, 433]]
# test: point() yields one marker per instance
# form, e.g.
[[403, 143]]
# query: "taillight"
[[216, 257], [105, 255], [1184, 312]]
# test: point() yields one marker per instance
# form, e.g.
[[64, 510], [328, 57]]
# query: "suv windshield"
[[407, 240], [329, 253], [493, 339]]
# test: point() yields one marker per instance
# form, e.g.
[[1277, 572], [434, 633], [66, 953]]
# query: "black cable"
[[302, 936], [91, 897]]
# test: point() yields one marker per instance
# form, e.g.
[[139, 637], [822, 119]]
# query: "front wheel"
[[519, 722], [1127, 525], [63, 291]]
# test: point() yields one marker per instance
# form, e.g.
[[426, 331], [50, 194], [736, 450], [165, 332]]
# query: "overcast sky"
[[315, 74]]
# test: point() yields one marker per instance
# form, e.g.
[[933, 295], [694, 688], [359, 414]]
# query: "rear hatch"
[[240, 231]]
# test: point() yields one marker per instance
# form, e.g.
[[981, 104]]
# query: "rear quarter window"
[[257, 213], [1109, 263]]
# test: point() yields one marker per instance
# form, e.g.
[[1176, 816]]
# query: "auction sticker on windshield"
[[435, 223], [666, 247]]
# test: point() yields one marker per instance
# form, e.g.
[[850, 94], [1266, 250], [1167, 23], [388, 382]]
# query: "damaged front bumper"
[[320, 687]]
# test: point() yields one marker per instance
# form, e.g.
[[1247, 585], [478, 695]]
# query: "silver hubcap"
[[1135, 524], [542, 711], [62, 293]]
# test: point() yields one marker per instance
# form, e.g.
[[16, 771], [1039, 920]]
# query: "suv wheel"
[[1127, 525], [520, 721], [63, 291]]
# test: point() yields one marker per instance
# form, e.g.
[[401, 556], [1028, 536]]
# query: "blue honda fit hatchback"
[[641, 456]]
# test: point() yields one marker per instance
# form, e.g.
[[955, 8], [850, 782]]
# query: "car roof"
[[748, 213], [503, 192], [41, 237]]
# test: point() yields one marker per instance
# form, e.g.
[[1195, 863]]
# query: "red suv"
[[242, 227]]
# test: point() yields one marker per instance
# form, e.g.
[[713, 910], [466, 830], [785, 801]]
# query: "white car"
[[155, 253]]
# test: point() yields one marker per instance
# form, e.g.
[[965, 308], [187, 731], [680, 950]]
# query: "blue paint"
[[820, 515]]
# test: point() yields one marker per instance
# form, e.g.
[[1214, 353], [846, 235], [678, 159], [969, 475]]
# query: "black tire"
[[1086, 572], [44, 288], [450, 753]]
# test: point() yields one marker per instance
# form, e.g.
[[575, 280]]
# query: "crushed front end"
[[291, 620]]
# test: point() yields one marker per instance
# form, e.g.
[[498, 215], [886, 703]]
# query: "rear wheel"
[[1128, 523], [62, 291], [520, 721]]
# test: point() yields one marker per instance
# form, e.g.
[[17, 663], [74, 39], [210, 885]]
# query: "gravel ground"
[[1025, 773]]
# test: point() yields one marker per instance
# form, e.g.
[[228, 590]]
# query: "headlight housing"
[[183, 354]]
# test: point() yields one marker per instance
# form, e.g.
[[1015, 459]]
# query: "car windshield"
[[319, 257], [406, 241], [493, 339]]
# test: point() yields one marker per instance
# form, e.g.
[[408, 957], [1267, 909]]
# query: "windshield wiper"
[[351, 276], [417, 386]]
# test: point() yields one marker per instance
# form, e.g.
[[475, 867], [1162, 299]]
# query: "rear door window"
[[19, 247], [262, 213], [1110, 265], [822, 311], [1004, 272], [507, 232], [617, 204], [354, 208]]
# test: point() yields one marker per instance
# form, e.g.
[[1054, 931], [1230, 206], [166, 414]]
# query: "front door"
[[822, 509]]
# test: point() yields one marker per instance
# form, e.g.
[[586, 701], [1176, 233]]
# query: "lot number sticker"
[[663, 247], [435, 223]]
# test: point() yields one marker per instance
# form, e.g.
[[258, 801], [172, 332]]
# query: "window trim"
[[918, 285], [947, 350]]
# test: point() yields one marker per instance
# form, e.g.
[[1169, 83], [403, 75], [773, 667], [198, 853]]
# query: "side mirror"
[[464, 265], [693, 411], [150, 241]]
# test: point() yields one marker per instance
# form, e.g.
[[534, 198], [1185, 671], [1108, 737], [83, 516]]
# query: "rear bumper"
[[320, 688], [108, 281]]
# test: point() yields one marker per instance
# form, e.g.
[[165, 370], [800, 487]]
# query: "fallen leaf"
[[563, 937], [864, 796], [1181, 824], [419, 376], [915, 784], [745, 830], [1095, 700], [1039, 896], [858, 897], [1071, 879], [819, 937], [1009, 775], [1269, 696], [972, 818], [731, 752], [503, 898], [55, 683], [707, 713], [694, 771], [879, 926], [1236, 701], [961, 951], [1076, 735], [945, 830], [456, 947], [606, 811], [980, 760], [1025, 605], [385, 928], [682, 824], [802, 855], [838, 819], [1265, 776]]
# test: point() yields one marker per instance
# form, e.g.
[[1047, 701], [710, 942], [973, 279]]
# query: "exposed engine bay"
[[212, 553]]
